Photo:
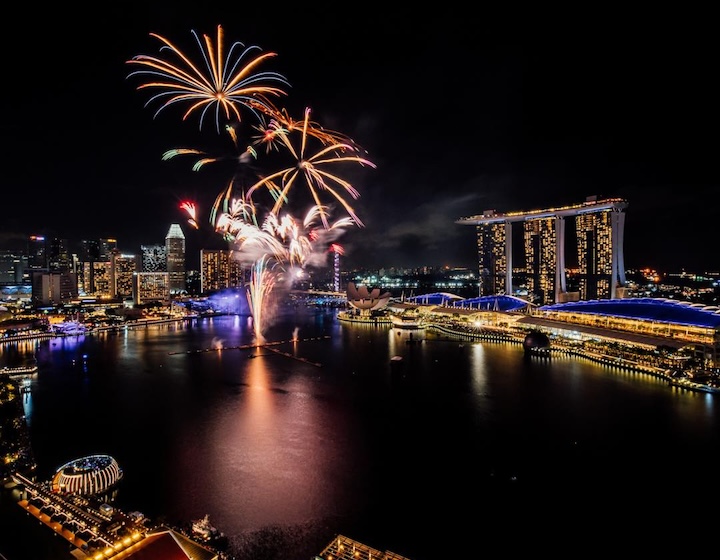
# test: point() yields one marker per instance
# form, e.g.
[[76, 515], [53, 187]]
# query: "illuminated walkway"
[[343, 548]]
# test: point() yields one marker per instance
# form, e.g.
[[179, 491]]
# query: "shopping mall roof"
[[484, 303], [437, 298], [646, 309], [493, 303]]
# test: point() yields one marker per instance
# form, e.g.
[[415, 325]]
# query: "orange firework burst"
[[224, 83], [284, 123], [311, 168]]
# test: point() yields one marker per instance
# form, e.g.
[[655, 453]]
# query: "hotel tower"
[[599, 226], [175, 251]]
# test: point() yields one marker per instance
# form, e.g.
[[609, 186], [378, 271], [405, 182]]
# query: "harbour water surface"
[[455, 450]]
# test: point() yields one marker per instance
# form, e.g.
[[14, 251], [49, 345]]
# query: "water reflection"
[[315, 431]]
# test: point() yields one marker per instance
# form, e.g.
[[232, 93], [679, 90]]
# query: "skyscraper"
[[600, 262], [123, 268], [541, 253], [219, 270], [175, 249], [154, 258], [494, 239], [37, 253], [59, 258], [106, 247]]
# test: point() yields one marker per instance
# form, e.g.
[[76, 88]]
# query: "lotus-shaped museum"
[[366, 301]]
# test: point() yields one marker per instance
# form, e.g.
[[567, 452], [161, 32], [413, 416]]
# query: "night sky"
[[460, 110]]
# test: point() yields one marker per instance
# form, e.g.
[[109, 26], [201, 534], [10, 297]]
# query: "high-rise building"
[[123, 268], [495, 261], [37, 253], [95, 275], [53, 288], [89, 250], [175, 249], [599, 226], [541, 251], [106, 247], [219, 270], [154, 258], [101, 286], [12, 266], [59, 257], [600, 263], [151, 287]]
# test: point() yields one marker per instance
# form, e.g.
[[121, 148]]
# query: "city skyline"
[[460, 115]]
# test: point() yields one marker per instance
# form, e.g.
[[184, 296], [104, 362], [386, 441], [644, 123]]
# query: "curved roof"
[[648, 309], [438, 298], [88, 475], [362, 298], [493, 303]]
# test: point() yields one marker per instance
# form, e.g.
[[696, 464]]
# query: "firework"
[[249, 239], [262, 282], [282, 123], [221, 83], [241, 157], [312, 170], [191, 209], [228, 85]]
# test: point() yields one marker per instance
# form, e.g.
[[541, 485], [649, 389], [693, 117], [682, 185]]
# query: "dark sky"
[[460, 109]]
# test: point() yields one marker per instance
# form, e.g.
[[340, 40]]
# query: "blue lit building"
[[668, 322]]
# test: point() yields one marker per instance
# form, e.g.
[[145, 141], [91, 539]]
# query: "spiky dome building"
[[87, 476]]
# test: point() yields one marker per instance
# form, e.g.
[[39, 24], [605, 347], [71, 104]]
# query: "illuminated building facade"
[[106, 246], [494, 256], [151, 287], [599, 226], [600, 264], [175, 250], [541, 257], [101, 279], [37, 253], [87, 476], [12, 267], [219, 270], [154, 258], [123, 268]]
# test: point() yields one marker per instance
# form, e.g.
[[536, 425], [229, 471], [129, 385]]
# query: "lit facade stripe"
[[87, 476]]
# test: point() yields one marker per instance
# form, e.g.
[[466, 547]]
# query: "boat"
[[19, 372], [206, 532]]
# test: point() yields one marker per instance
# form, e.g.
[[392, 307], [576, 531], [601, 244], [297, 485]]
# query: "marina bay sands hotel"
[[598, 231]]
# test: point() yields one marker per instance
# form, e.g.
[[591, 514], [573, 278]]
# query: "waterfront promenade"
[[624, 359]]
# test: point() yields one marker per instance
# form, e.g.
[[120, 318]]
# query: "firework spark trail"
[[282, 123], [262, 282], [222, 83], [287, 239], [242, 156], [191, 209]]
